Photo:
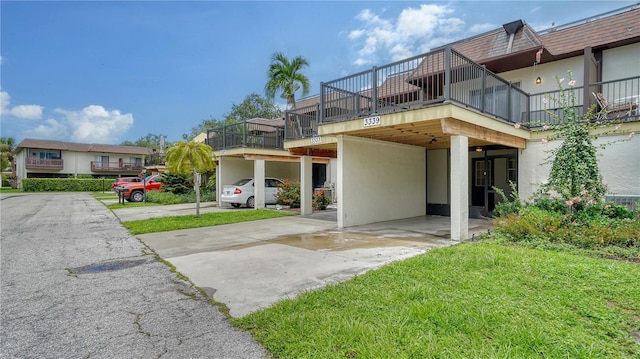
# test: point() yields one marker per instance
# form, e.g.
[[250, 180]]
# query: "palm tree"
[[195, 157], [285, 76]]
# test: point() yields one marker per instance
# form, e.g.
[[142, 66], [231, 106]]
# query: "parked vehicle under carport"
[[242, 192]]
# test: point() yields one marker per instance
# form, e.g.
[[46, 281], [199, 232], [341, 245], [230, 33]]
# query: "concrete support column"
[[258, 183], [340, 182], [459, 188], [306, 185], [219, 184]]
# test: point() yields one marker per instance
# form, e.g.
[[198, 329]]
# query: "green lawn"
[[11, 190], [173, 223], [474, 300]]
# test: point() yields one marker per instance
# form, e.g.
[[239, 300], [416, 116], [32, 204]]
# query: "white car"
[[242, 192]]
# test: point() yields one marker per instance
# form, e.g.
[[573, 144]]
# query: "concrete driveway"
[[252, 265]]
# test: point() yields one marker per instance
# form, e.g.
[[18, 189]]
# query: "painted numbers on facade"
[[372, 121], [316, 139]]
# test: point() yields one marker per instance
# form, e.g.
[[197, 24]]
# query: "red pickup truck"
[[134, 191]]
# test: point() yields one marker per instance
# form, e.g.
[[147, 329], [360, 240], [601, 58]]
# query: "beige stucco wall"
[[290, 170], [437, 176], [547, 72], [379, 181], [74, 163], [619, 165], [621, 62]]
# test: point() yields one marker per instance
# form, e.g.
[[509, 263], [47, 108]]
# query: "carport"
[[254, 149], [411, 163]]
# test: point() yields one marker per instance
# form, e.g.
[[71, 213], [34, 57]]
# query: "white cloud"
[[93, 124], [356, 34], [422, 21], [478, 28], [5, 100], [362, 62], [451, 26], [415, 30], [30, 112]]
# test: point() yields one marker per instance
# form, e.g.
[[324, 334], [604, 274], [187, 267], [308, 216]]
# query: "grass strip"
[[474, 300], [164, 224]]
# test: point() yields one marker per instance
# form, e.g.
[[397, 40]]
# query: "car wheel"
[[251, 202], [137, 196], [235, 205]]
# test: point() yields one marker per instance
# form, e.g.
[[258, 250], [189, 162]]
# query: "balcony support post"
[[322, 102], [374, 89], [447, 74], [509, 105], [586, 95], [483, 89], [286, 125], [224, 137], [244, 133]]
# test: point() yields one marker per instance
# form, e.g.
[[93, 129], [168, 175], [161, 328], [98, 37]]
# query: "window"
[[481, 174]]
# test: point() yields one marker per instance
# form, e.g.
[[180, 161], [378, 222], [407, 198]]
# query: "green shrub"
[[65, 184], [507, 206], [176, 183], [583, 229], [551, 205], [289, 194], [5, 181], [321, 200]]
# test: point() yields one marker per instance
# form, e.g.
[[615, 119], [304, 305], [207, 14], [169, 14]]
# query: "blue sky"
[[109, 71]]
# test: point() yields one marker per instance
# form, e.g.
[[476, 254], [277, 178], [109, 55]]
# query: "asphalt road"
[[75, 284]]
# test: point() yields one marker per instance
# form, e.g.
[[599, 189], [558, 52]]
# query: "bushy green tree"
[[150, 140], [6, 152], [253, 106]]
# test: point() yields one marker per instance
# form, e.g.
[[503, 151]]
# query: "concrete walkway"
[[252, 265]]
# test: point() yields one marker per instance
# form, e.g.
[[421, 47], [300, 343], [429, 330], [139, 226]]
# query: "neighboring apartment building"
[[46, 159], [439, 131], [255, 149]]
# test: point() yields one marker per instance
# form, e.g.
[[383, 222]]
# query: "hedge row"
[[65, 184]]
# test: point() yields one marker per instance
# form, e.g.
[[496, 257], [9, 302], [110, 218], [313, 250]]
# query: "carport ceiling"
[[427, 134]]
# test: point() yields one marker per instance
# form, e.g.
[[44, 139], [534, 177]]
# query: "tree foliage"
[[253, 106], [151, 140], [285, 76], [7, 145], [202, 127]]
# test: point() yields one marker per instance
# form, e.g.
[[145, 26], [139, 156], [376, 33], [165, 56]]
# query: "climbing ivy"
[[574, 171]]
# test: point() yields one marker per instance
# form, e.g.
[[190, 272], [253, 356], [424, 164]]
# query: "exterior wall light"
[[538, 80], [478, 149]]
